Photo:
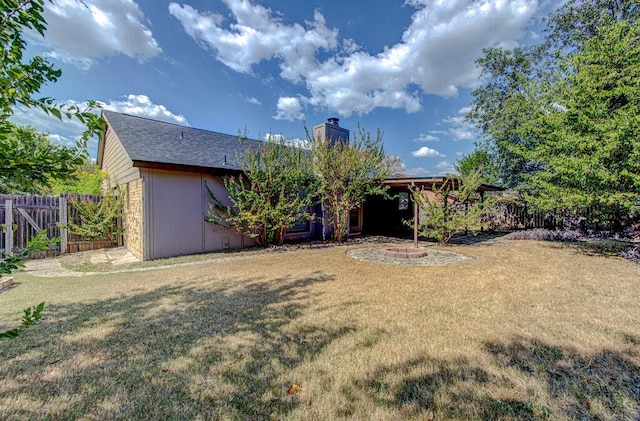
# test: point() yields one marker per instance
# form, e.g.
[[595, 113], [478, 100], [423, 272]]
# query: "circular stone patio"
[[433, 257]]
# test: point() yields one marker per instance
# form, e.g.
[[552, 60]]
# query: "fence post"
[[8, 220], [63, 224]]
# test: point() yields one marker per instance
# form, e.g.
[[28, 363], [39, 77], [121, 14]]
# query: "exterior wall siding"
[[175, 209], [116, 161], [134, 218], [217, 237]]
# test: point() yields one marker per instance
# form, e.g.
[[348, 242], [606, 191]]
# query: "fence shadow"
[[176, 352], [604, 385], [480, 239]]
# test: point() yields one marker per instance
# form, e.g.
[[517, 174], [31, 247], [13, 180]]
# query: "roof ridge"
[[176, 124]]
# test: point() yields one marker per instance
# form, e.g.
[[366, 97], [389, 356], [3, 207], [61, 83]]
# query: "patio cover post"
[[415, 219]]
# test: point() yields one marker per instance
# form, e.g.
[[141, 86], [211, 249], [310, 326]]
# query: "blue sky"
[[403, 67]]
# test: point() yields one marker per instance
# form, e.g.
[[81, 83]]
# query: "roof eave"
[[186, 168]]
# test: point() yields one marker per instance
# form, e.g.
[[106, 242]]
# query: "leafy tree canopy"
[[20, 81], [589, 134], [30, 162], [453, 207], [87, 179], [479, 161], [559, 119]]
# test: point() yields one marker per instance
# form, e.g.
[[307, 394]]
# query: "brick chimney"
[[331, 131]]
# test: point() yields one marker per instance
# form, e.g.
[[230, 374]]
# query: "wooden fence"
[[24, 216], [512, 216]]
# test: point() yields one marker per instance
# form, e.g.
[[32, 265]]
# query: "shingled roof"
[[149, 142]]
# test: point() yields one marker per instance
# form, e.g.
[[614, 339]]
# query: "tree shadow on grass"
[[527, 379], [479, 239], [594, 247], [176, 352]]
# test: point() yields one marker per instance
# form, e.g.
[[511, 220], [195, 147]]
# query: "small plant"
[[541, 234], [632, 253], [11, 263], [31, 316]]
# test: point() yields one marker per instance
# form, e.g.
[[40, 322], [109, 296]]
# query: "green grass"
[[525, 330]]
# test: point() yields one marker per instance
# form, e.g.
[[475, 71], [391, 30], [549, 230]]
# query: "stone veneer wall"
[[134, 218]]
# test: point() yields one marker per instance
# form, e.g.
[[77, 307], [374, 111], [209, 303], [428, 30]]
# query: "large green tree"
[[347, 172], [588, 137], [558, 118], [21, 80], [480, 162], [30, 161], [502, 105], [274, 192]]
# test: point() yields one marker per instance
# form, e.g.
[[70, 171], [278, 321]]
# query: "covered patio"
[[384, 216]]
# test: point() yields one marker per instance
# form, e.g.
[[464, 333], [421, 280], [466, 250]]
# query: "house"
[[163, 168]]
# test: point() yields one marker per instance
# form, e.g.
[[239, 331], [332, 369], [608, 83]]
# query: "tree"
[[589, 141], [20, 81], [98, 219], [347, 173], [275, 191], [578, 21], [30, 162], [478, 161], [502, 105], [392, 165], [551, 115], [452, 207], [87, 179]]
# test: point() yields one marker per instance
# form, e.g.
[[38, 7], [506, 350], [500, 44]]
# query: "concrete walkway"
[[116, 257], [53, 268]]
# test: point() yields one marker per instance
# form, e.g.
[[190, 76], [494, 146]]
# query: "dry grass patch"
[[525, 330]]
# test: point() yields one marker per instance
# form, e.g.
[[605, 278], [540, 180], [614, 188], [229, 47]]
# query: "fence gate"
[[23, 217]]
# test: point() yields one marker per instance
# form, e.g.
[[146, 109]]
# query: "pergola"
[[429, 183]]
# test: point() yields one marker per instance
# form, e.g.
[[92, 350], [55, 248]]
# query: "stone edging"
[[5, 283], [433, 258]]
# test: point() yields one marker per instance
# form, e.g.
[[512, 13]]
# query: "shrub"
[[455, 206], [98, 220], [541, 234], [632, 253]]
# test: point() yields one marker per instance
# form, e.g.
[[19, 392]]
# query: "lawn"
[[525, 330]]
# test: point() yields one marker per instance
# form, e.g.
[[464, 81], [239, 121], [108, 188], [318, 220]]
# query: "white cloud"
[[459, 128], [80, 32], [256, 36], [142, 106], [290, 109], [67, 132], [436, 54], [418, 171], [297, 142], [254, 100], [426, 152], [445, 167], [426, 137]]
